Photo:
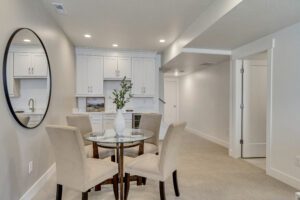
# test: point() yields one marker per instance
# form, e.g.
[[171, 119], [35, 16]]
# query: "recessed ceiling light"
[[87, 36], [27, 40], [115, 45], [176, 73], [162, 40]]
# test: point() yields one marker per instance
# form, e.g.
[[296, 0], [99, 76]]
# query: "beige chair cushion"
[[134, 151], [160, 167], [146, 165], [98, 171], [73, 168], [103, 152]]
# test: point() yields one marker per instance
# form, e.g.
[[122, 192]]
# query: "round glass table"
[[109, 139]]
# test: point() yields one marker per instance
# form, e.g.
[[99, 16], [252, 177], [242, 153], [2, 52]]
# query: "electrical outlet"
[[30, 167], [297, 161]]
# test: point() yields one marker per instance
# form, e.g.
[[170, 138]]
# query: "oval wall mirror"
[[27, 78]]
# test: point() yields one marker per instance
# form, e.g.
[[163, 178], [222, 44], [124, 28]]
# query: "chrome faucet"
[[31, 104]]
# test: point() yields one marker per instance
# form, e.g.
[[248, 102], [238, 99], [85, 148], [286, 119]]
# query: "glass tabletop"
[[110, 136]]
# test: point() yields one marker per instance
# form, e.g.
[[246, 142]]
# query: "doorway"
[[254, 77], [171, 99]]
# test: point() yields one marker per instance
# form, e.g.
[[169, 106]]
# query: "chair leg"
[[144, 180], [59, 189], [85, 196], [116, 186], [113, 158], [162, 190], [175, 183], [127, 185]]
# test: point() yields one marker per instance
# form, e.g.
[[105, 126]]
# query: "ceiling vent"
[[208, 64], [59, 7]]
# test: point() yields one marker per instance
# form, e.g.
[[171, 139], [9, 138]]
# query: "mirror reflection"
[[28, 81]]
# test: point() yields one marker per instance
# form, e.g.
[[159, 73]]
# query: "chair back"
[[82, 122], [151, 122], [171, 144], [69, 154], [23, 119]]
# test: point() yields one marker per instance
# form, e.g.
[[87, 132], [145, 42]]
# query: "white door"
[[81, 75], [22, 64], [137, 76], [170, 90], [95, 75], [254, 112], [110, 67], [9, 74], [39, 65], [149, 76], [124, 67]]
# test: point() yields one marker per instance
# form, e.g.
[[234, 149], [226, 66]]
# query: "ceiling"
[[250, 20], [132, 24], [190, 62]]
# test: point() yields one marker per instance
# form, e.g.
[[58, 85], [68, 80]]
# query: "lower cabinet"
[[102, 121]]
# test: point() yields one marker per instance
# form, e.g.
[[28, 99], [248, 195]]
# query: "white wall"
[[17, 145], [204, 102], [284, 117]]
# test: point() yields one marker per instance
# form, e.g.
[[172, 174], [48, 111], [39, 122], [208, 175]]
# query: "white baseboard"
[[208, 137], [284, 177], [37, 186]]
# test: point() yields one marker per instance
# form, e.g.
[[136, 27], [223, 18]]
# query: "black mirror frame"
[[4, 77]]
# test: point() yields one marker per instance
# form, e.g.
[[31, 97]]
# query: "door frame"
[[177, 96], [235, 96]]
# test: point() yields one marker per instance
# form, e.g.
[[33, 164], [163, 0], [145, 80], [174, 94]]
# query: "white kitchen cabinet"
[[143, 77], [30, 65], [89, 75], [124, 67], [116, 68], [96, 122], [12, 84], [109, 118]]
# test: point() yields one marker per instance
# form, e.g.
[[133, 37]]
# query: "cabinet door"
[[110, 67], [149, 76], [81, 75], [22, 64], [137, 76], [124, 67], [95, 75], [11, 83], [39, 65]]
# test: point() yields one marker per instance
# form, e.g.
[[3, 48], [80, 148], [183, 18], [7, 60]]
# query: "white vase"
[[119, 123]]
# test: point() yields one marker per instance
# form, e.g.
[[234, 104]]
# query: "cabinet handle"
[[32, 72], [28, 70], [91, 88]]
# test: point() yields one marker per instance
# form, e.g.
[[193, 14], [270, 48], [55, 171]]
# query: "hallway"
[[206, 172]]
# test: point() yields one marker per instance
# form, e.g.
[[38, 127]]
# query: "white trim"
[[206, 51], [38, 185], [284, 177], [208, 137]]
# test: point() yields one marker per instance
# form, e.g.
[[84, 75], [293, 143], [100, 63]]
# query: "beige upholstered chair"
[[23, 119], [82, 122], [159, 167], [73, 168], [149, 121]]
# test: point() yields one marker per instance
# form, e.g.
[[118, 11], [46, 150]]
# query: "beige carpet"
[[206, 172]]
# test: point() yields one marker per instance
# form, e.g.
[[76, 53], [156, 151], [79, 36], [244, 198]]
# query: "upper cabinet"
[[116, 68], [30, 65], [89, 75], [143, 77], [12, 84]]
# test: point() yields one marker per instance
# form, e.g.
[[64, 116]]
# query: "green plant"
[[124, 95]]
